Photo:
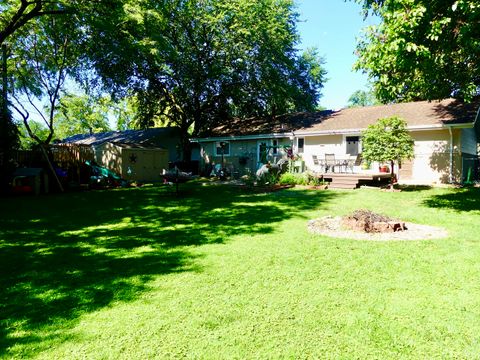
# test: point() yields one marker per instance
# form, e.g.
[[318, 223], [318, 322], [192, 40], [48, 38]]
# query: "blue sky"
[[333, 26]]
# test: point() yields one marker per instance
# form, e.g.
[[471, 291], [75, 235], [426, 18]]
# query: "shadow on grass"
[[467, 199], [66, 255], [411, 188]]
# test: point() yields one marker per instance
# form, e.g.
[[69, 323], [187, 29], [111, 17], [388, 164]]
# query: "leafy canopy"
[[80, 114], [362, 98], [387, 141], [422, 49], [197, 63]]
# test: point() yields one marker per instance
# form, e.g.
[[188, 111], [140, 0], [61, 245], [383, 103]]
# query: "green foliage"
[[287, 179], [16, 14], [268, 179], [81, 114], [198, 64], [422, 49], [42, 56], [362, 98], [387, 141], [125, 112], [38, 128], [306, 178]]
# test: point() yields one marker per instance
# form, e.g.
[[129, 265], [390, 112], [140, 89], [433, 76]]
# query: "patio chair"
[[358, 160], [317, 164], [330, 162], [349, 164]]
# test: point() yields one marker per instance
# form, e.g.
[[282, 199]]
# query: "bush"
[[288, 179], [306, 178]]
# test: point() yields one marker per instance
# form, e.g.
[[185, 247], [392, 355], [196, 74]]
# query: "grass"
[[219, 273]]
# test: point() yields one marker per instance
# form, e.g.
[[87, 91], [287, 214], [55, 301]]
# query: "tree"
[[387, 141], [26, 141], [125, 113], [80, 114], [195, 64], [15, 14], [44, 58], [362, 98], [422, 49]]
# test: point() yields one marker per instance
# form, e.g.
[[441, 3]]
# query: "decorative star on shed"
[[133, 158]]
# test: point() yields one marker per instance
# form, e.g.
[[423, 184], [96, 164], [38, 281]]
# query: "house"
[[139, 155], [445, 134]]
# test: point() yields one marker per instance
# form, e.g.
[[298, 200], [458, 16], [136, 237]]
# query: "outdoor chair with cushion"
[[330, 162]]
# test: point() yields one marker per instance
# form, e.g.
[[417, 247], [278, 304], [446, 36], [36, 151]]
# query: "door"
[[262, 152]]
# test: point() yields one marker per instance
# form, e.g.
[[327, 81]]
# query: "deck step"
[[344, 181], [342, 186]]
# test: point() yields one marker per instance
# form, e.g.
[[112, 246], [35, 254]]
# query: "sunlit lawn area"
[[220, 273]]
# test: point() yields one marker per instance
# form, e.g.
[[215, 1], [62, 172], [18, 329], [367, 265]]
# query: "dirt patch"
[[334, 227]]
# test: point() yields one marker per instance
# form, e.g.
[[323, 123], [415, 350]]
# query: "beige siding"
[[321, 145], [110, 156], [431, 164], [132, 163], [144, 164]]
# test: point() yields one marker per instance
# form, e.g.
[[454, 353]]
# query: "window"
[[274, 147], [353, 145], [300, 145], [222, 148]]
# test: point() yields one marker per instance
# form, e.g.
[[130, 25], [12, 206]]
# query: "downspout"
[[450, 176]]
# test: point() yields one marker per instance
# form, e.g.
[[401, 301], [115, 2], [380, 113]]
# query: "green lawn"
[[220, 273]]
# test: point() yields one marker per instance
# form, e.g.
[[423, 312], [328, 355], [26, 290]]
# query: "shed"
[[132, 161], [138, 155]]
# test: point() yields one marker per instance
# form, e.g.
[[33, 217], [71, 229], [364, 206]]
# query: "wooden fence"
[[64, 155]]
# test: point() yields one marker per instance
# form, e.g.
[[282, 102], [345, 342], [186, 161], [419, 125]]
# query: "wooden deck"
[[352, 181]]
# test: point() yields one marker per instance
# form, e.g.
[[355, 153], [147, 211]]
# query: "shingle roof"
[[417, 114], [280, 124], [147, 137]]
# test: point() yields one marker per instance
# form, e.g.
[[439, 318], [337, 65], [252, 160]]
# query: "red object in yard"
[[22, 189]]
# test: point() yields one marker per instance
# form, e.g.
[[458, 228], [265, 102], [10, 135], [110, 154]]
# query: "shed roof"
[[416, 114], [145, 138]]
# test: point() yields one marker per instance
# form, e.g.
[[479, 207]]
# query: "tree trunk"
[[50, 166], [392, 174]]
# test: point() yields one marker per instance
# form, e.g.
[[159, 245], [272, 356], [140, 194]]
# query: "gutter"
[[243, 137], [326, 132], [359, 130]]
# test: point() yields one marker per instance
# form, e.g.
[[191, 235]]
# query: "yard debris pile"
[[370, 222], [366, 225]]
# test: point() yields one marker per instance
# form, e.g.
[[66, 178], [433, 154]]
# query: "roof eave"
[[359, 130], [243, 137]]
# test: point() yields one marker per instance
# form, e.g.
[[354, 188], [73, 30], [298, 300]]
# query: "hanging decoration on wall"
[[133, 158]]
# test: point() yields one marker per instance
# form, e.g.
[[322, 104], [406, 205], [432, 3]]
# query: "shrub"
[[288, 179]]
